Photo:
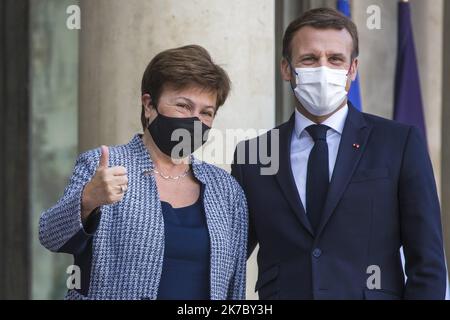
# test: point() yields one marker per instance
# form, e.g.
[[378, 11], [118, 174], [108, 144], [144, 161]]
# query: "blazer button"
[[317, 253]]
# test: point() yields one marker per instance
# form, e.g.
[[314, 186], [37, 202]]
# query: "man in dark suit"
[[351, 188]]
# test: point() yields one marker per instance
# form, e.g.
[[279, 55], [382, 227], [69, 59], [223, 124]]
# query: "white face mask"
[[320, 90]]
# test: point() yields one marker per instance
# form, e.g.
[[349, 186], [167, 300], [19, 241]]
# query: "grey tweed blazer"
[[120, 252]]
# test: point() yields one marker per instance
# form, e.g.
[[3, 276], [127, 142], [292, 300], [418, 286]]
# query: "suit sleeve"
[[237, 286], [60, 227], [238, 174], [421, 223]]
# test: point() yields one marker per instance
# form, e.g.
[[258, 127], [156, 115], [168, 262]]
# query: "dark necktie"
[[317, 180]]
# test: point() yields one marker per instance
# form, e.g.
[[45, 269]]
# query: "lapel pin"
[[356, 146]]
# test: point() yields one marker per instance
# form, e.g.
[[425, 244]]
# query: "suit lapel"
[[285, 177], [352, 145]]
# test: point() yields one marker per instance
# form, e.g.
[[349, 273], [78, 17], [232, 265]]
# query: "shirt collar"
[[335, 122]]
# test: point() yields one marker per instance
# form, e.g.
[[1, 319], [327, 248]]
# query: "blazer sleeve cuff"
[[61, 228]]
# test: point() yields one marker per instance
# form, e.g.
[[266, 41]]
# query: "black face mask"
[[193, 135]]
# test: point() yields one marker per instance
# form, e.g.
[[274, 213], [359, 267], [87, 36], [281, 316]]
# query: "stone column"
[[15, 136], [118, 40]]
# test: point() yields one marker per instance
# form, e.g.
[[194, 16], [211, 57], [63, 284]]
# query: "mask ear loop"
[[155, 106], [292, 69], [348, 74], [350, 68], [290, 66]]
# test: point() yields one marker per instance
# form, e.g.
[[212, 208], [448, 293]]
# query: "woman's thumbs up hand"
[[107, 186]]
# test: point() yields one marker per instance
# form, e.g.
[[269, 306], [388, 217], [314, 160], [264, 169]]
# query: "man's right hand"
[[107, 186]]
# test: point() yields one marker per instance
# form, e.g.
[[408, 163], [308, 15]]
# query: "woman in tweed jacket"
[[114, 214]]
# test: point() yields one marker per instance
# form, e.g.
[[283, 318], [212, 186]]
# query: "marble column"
[[118, 40]]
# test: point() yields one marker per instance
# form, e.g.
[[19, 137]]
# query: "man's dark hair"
[[321, 18]]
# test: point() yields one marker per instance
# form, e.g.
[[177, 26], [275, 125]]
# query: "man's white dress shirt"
[[302, 144]]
